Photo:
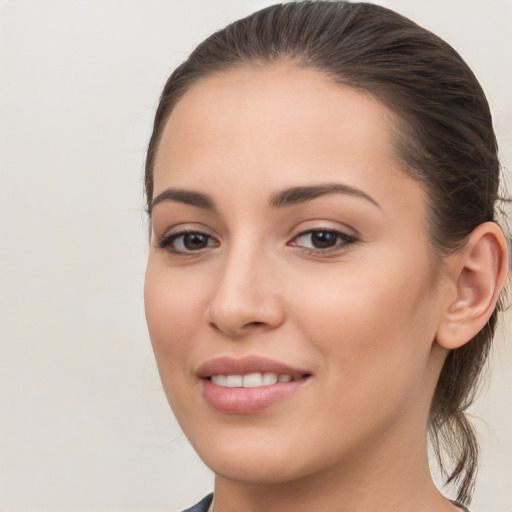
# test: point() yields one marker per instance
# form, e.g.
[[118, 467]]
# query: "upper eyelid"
[[343, 230], [322, 228], [184, 229], [178, 234]]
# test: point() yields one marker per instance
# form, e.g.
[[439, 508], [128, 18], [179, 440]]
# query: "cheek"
[[374, 345], [375, 326], [174, 312], [173, 306]]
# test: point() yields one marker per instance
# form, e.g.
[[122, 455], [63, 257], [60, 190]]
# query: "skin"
[[362, 317]]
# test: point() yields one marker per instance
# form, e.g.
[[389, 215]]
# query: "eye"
[[187, 242], [322, 240]]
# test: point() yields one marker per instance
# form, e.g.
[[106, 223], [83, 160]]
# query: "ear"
[[477, 273]]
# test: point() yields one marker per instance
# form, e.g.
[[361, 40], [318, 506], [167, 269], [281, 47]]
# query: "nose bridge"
[[244, 297]]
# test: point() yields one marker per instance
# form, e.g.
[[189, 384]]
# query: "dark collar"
[[202, 506]]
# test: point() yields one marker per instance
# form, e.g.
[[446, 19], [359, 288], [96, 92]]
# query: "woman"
[[325, 264]]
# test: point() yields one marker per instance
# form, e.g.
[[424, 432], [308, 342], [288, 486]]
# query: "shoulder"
[[202, 506]]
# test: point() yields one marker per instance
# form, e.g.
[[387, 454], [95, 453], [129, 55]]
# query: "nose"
[[246, 297]]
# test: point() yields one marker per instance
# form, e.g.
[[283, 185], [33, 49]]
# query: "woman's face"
[[288, 245]]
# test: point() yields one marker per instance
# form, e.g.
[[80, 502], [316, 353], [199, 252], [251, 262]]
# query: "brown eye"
[[323, 239], [187, 242], [195, 241]]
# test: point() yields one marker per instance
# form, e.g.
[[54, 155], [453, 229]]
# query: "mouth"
[[254, 380], [248, 385]]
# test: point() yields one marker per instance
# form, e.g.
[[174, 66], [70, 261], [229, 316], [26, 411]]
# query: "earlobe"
[[478, 272]]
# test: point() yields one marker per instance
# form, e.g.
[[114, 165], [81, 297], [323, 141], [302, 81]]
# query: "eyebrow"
[[282, 199], [190, 197], [298, 195]]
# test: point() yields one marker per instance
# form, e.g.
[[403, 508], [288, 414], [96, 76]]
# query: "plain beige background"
[[84, 425]]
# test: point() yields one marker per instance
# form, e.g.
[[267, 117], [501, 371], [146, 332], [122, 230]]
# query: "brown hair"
[[446, 142]]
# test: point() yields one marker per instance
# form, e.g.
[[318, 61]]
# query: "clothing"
[[202, 506], [205, 503]]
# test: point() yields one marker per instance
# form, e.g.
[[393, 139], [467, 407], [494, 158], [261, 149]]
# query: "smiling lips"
[[248, 385]]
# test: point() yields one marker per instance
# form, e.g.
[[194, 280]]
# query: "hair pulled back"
[[445, 140]]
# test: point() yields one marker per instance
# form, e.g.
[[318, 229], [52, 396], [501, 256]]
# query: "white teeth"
[[234, 381], [269, 378], [220, 380], [251, 380]]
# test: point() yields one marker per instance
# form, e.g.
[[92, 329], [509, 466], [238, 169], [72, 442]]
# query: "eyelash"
[[167, 242], [343, 240]]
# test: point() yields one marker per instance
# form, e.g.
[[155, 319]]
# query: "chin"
[[256, 461], [261, 458], [254, 470]]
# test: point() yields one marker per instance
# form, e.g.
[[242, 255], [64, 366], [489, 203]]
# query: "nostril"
[[245, 328], [239, 317], [213, 325]]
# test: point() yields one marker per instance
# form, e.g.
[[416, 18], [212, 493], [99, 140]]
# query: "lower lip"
[[247, 400]]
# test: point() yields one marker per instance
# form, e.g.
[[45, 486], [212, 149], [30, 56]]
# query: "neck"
[[371, 481]]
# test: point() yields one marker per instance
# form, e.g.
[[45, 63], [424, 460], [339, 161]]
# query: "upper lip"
[[245, 365]]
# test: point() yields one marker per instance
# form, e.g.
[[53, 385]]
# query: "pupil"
[[323, 239], [195, 241]]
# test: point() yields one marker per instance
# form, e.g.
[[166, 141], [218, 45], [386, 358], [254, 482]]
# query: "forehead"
[[277, 106], [276, 126]]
